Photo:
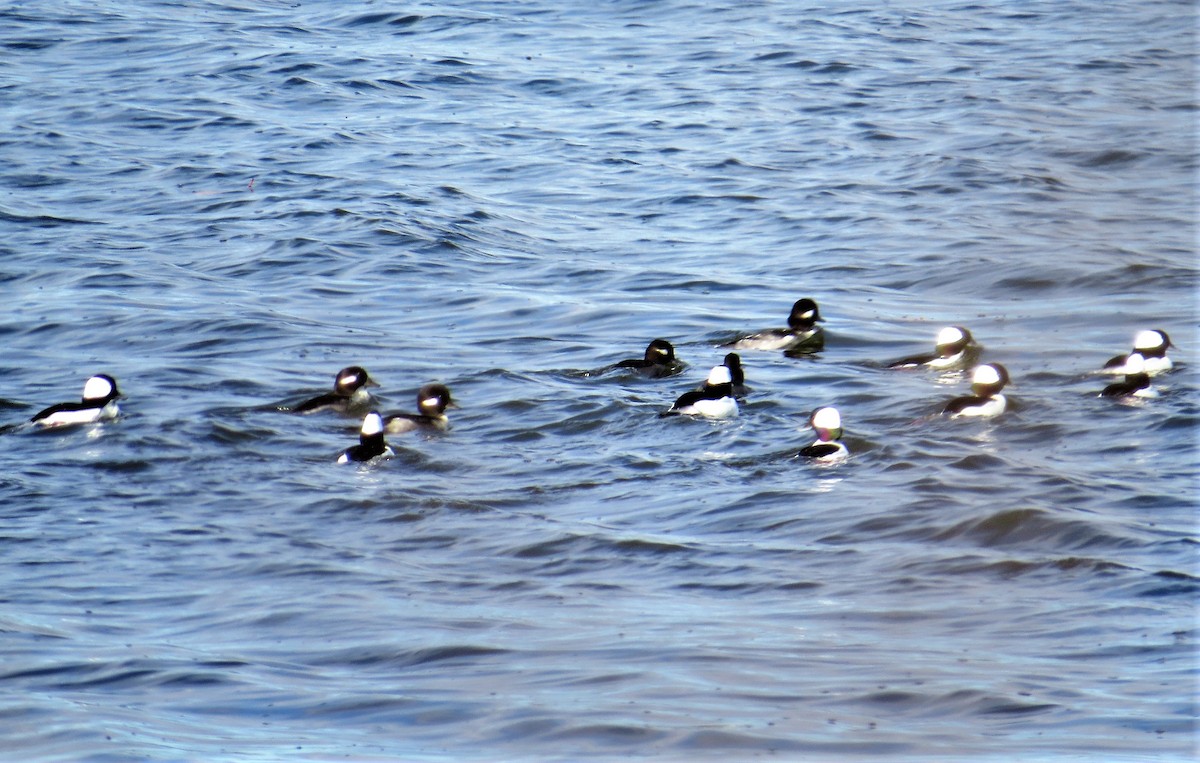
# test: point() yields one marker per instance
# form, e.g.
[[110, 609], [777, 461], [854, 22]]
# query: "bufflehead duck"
[[659, 361], [737, 374], [99, 402], [349, 391], [432, 402], [370, 442], [1152, 345], [802, 334], [986, 382], [1137, 380], [828, 448], [953, 349], [714, 399]]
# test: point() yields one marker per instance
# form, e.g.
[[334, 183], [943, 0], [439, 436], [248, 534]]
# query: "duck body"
[[986, 382], [371, 444], [350, 390], [432, 402], [1152, 346], [658, 362], [99, 402], [714, 400], [802, 335], [954, 349], [1136, 382], [828, 448]]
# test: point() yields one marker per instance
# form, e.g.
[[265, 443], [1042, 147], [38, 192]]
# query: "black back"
[[1132, 383], [819, 450]]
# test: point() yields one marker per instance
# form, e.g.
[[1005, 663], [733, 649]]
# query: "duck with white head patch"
[[986, 382], [371, 444], [828, 448], [737, 374], [1136, 383], [715, 399], [953, 349], [349, 392], [1151, 345], [432, 402], [658, 362], [802, 335], [99, 402]]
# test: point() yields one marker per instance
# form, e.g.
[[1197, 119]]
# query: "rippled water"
[[222, 204]]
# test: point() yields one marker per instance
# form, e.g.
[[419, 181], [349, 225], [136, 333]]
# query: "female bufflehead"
[[370, 442], [714, 399], [1137, 380], [986, 382], [349, 391], [658, 362], [432, 402], [1152, 346], [99, 402], [953, 349], [828, 448], [802, 334]]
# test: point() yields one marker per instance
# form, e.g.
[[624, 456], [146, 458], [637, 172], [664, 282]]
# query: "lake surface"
[[223, 203]]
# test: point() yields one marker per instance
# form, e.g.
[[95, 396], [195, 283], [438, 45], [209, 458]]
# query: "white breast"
[[718, 409], [85, 416], [993, 407]]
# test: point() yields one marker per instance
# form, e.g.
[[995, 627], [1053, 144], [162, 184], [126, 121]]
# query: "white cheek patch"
[[806, 314], [949, 335], [96, 388], [431, 402], [719, 375], [1135, 364], [827, 418], [372, 424], [1147, 340], [986, 375]]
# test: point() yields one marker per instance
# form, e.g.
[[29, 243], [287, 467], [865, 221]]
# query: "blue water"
[[221, 204]]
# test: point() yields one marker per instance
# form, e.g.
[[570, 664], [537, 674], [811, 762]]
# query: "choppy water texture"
[[223, 203]]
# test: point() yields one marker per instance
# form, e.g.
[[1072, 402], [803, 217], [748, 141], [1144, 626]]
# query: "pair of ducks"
[[955, 348]]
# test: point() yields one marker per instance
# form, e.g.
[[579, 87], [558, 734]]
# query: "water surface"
[[222, 204]]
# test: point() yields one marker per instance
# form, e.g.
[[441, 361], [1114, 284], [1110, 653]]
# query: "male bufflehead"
[[953, 349], [659, 361], [986, 382], [1152, 345], [99, 402], [828, 448], [714, 399], [1137, 380], [349, 391], [370, 442], [432, 402], [737, 374], [802, 334]]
